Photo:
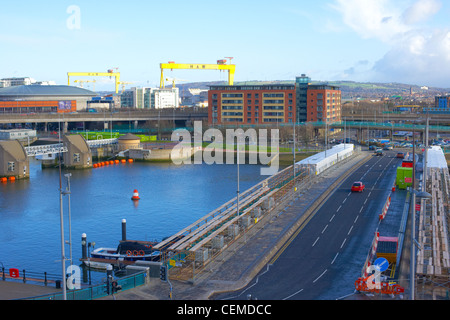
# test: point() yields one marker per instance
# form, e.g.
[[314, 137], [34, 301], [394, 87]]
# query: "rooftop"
[[38, 90]]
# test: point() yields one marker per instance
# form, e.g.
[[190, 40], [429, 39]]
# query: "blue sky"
[[404, 41]]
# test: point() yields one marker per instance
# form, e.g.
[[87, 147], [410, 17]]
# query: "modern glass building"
[[301, 87]]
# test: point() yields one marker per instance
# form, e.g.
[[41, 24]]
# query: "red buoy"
[[135, 195]]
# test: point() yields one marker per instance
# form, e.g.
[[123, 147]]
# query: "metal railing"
[[45, 149], [97, 291]]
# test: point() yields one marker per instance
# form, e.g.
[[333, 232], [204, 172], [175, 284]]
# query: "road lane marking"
[[344, 200], [343, 242], [316, 241], [295, 293], [339, 209], [356, 219], [350, 231], [332, 217], [320, 276], [324, 229], [361, 209], [335, 258]]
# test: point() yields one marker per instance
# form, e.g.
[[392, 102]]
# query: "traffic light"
[[163, 273], [116, 287]]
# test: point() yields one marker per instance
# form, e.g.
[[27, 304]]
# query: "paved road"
[[324, 258]]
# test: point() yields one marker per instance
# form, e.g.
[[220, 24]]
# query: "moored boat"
[[127, 251]]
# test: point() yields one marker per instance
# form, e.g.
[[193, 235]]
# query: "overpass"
[[180, 114], [363, 125]]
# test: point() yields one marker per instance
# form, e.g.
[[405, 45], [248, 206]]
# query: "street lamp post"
[[67, 192], [63, 255]]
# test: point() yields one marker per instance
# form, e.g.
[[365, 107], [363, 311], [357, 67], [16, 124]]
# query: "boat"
[[127, 252]]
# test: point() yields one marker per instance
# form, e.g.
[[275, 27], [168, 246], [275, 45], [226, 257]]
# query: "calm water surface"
[[172, 197]]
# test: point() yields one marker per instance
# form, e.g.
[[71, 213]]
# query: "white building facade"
[[150, 98]]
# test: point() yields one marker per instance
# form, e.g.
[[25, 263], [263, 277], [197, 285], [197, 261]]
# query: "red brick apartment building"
[[278, 103], [323, 104], [255, 104]]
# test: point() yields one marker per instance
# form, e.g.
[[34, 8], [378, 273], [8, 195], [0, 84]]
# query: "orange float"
[[130, 160], [12, 179], [135, 195], [4, 180]]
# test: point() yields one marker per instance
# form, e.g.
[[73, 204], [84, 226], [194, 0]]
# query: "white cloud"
[[421, 11], [378, 19], [417, 54]]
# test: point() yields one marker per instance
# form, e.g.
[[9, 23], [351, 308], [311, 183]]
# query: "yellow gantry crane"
[[81, 82], [110, 74], [173, 81], [123, 84], [231, 68]]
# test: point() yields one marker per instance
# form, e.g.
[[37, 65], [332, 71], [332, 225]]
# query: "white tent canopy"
[[318, 163]]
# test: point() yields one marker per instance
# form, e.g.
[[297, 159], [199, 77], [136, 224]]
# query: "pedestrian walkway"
[[12, 290]]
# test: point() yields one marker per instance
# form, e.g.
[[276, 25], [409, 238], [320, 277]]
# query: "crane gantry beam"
[[231, 68], [95, 74]]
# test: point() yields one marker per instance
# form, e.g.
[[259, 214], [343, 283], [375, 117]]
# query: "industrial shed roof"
[[38, 90], [436, 158]]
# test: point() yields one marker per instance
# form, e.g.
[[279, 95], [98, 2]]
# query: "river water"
[[172, 197]]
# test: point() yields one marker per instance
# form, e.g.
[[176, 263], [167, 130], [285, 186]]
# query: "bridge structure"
[[180, 114], [189, 251], [46, 149], [366, 125], [57, 148], [396, 122]]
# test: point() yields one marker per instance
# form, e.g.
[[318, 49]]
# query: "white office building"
[[150, 98], [17, 134]]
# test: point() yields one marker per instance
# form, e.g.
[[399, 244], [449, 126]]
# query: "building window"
[[232, 95], [232, 107], [76, 158], [273, 95], [11, 166]]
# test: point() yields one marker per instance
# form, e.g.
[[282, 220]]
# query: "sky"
[[406, 41]]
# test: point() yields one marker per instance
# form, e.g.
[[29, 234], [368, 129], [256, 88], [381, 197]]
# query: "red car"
[[358, 186]]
